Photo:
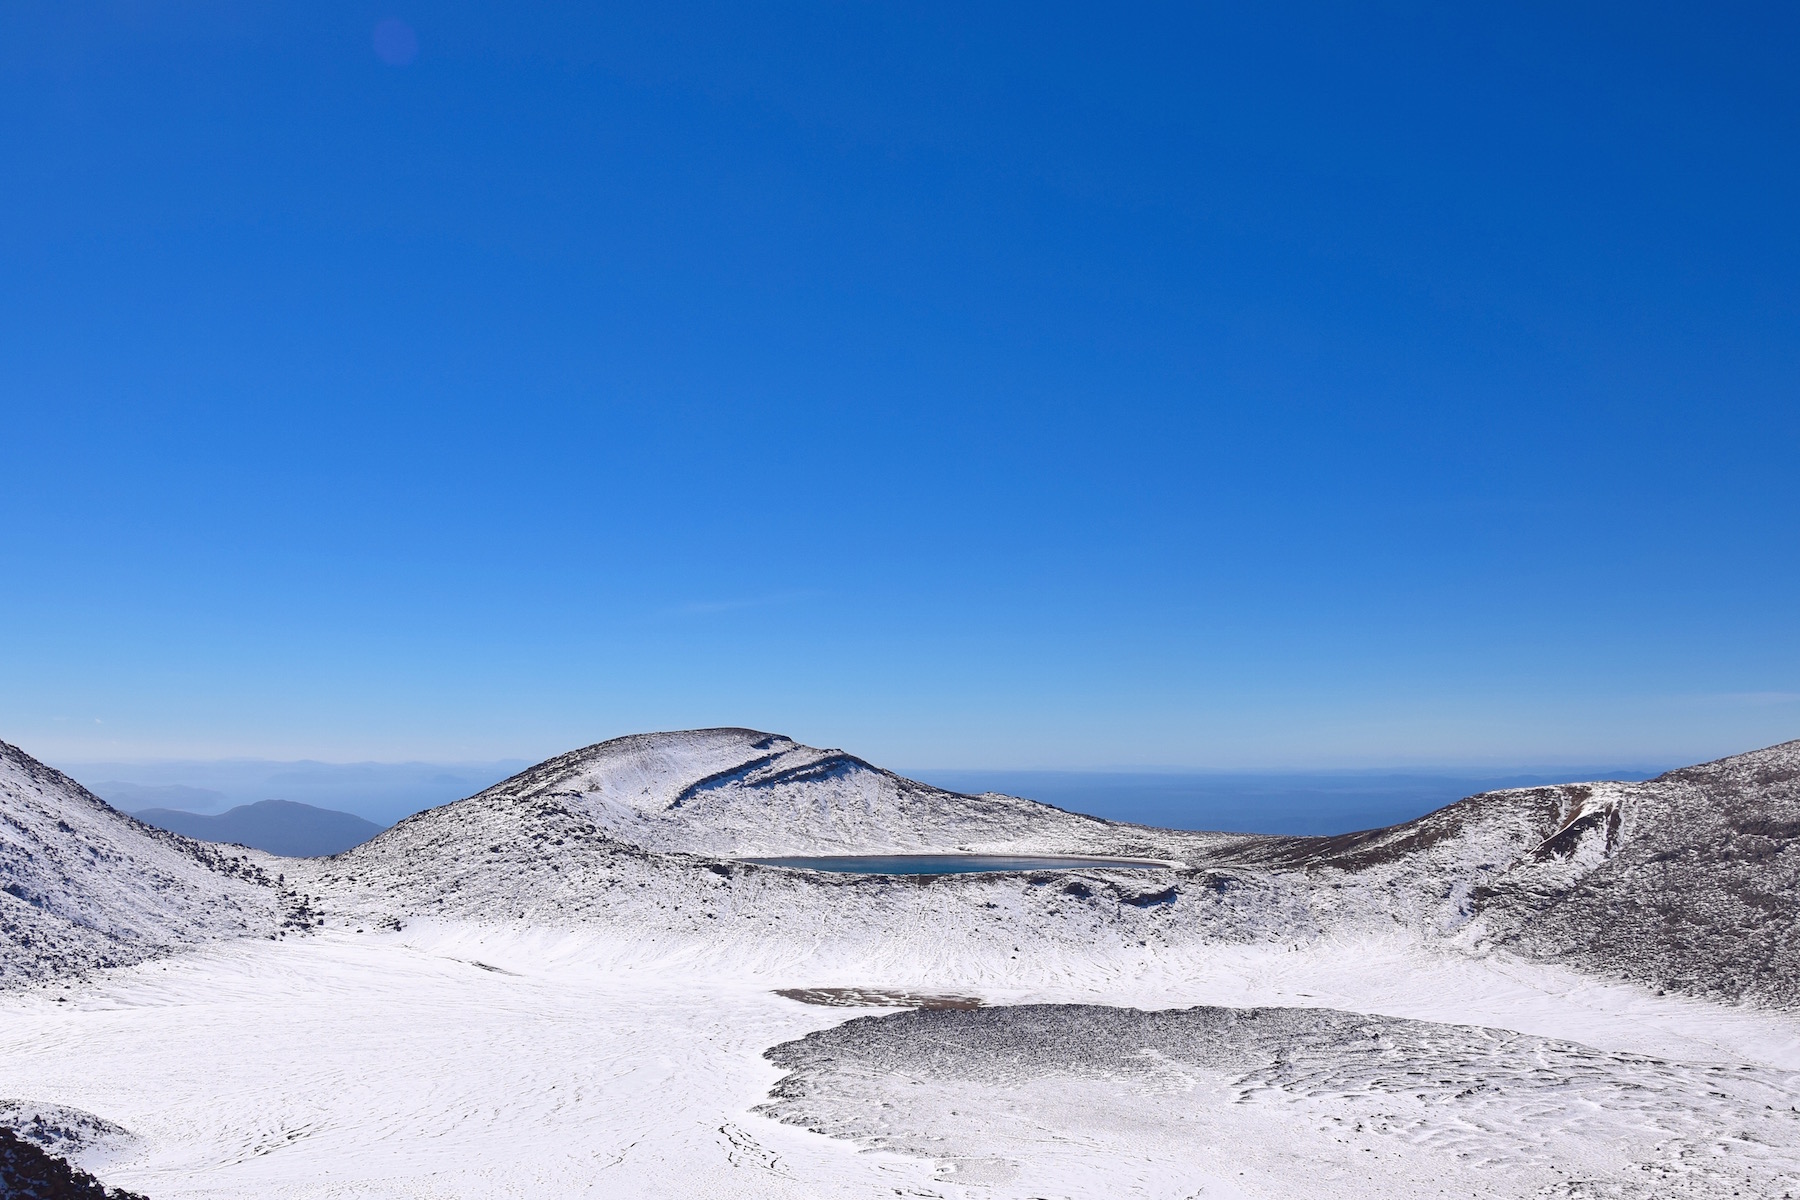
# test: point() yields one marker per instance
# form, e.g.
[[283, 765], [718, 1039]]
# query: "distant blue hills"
[[278, 826], [379, 792]]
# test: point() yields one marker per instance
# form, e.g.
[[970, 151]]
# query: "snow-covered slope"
[[638, 835], [584, 943], [465, 1062], [538, 862], [1688, 882], [83, 885], [739, 793], [1422, 873]]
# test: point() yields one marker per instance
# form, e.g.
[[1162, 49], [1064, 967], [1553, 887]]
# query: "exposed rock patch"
[[28, 1172], [1295, 1099]]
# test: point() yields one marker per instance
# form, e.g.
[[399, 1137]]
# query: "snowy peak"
[[646, 774], [741, 792], [792, 765]]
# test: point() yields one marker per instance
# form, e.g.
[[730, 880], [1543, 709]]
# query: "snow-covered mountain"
[[741, 793], [83, 885], [1256, 1016], [1687, 882], [1690, 881], [632, 832], [640, 839]]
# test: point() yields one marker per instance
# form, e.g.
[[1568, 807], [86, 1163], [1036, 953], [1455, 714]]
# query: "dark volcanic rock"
[[28, 1173]]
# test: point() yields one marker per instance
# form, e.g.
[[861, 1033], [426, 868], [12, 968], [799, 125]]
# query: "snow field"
[[459, 1060]]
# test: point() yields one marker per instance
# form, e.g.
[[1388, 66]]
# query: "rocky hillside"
[[1687, 882], [28, 1172], [1690, 881], [83, 885]]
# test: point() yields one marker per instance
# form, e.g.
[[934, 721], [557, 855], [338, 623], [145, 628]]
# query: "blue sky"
[[1053, 386]]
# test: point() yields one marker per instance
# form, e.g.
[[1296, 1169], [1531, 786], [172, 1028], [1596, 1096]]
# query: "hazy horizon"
[[1251, 800]]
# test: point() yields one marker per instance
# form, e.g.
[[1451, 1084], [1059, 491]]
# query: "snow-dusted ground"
[[1249, 1098], [568, 986], [83, 885], [457, 1061]]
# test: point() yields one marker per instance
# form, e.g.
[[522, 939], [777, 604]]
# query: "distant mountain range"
[[378, 792], [278, 826]]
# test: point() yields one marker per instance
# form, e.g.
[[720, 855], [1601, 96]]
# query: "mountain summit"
[[740, 792]]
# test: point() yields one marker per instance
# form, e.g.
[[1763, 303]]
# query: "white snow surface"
[[566, 986], [455, 1061]]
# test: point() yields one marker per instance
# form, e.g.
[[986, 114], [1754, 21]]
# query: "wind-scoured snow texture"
[[1285, 1102], [465, 1062], [82, 885]]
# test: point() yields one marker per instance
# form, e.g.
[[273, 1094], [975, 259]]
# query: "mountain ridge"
[[1685, 882]]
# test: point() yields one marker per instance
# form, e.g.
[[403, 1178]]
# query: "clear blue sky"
[[1040, 385]]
